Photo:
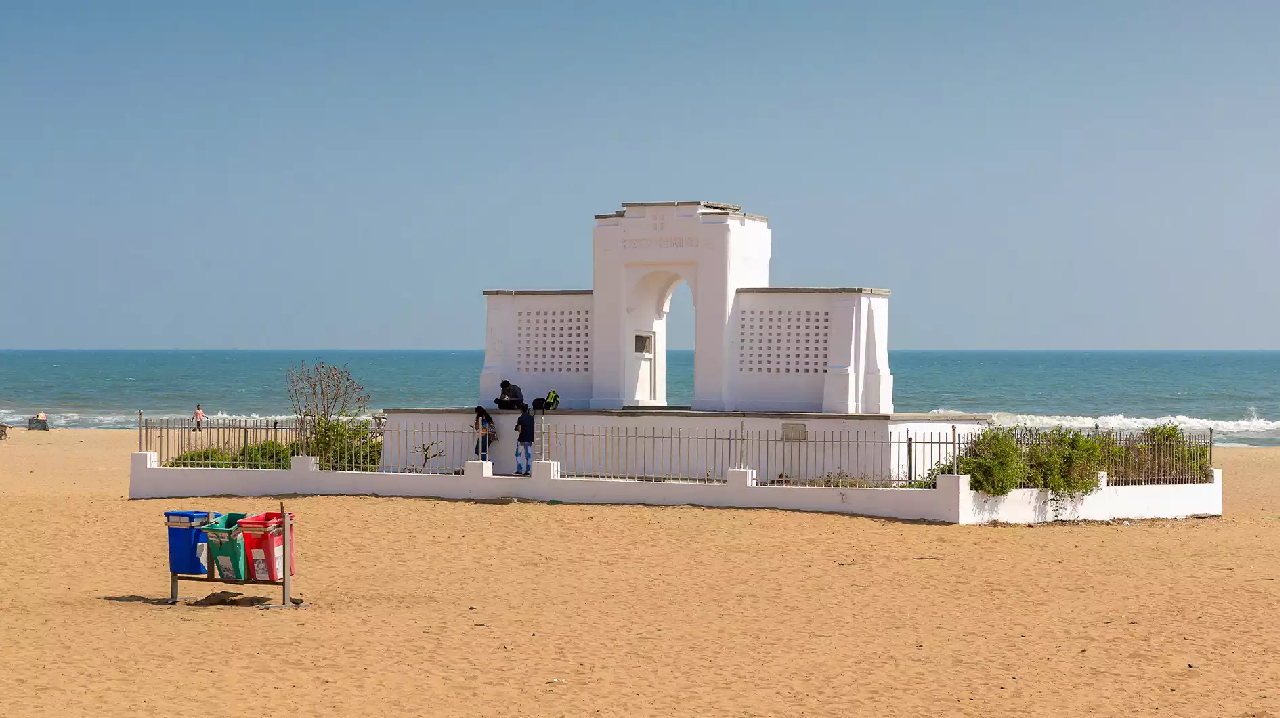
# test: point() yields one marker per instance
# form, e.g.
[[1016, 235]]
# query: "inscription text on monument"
[[660, 243]]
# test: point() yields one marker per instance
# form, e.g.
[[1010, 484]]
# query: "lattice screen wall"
[[553, 335], [783, 335]]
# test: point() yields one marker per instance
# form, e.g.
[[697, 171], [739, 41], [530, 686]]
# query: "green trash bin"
[[226, 546]]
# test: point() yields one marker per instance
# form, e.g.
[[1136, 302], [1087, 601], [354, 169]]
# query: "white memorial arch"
[[792, 403], [756, 347]]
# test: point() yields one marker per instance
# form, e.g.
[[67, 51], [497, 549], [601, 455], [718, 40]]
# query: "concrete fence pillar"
[[478, 470], [144, 460], [304, 463], [144, 483], [956, 498], [741, 477], [544, 471]]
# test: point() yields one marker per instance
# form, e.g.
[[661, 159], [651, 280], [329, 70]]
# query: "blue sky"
[[351, 175]]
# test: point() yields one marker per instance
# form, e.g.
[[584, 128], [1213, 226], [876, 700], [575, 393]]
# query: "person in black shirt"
[[511, 397], [524, 442]]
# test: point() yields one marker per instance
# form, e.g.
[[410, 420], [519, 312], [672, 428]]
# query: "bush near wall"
[[1066, 462], [267, 455], [1162, 454], [337, 446], [341, 445]]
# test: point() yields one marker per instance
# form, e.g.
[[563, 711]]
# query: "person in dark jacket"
[[524, 442], [511, 397]]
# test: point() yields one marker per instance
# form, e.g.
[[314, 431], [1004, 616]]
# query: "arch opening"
[[680, 346], [648, 338]]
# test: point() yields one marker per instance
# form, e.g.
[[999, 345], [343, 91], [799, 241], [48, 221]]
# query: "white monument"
[[756, 347]]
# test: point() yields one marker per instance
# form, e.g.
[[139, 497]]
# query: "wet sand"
[[421, 607]]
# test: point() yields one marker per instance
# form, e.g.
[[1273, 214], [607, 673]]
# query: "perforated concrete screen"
[[783, 341], [553, 340]]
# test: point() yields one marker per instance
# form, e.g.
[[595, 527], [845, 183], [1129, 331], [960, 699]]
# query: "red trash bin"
[[264, 546]]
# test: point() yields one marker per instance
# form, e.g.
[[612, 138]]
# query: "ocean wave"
[[1251, 426], [78, 420]]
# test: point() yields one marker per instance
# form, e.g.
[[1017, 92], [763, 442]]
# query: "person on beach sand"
[[198, 416], [485, 429]]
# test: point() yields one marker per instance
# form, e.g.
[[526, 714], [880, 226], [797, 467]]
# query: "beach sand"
[[422, 607]]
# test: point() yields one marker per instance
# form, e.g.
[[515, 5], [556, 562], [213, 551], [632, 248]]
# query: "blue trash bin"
[[188, 544]]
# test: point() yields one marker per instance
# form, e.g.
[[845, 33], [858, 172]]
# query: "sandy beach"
[[422, 607]]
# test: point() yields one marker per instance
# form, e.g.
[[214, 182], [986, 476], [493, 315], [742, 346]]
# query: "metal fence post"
[[955, 451], [742, 447]]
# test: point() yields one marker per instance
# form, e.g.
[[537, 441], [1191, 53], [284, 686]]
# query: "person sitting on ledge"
[[511, 397]]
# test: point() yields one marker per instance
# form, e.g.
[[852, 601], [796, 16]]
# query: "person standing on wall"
[[198, 417], [524, 442], [511, 397], [485, 430]]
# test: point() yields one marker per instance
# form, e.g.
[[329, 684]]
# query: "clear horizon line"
[[680, 349]]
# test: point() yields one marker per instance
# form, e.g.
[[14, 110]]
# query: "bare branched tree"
[[321, 393]]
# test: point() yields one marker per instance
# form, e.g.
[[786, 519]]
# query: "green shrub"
[[337, 446], [993, 462], [213, 456], [1162, 453], [267, 455], [1163, 433], [342, 445], [999, 459], [1064, 461]]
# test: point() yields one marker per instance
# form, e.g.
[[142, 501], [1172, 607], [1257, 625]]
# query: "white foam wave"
[[1253, 425], [77, 420], [1250, 427]]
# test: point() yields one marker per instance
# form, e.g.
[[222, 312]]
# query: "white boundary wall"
[[1151, 501], [951, 502]]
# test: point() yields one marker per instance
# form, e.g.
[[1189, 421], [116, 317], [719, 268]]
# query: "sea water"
[[1235, 393]]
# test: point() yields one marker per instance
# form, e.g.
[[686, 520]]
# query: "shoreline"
[[14, 429]]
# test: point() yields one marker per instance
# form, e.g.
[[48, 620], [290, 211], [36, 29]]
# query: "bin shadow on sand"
[[217, 598]]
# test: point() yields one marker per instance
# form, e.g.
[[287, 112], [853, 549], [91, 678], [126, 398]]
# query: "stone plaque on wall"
[[794, 432]]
